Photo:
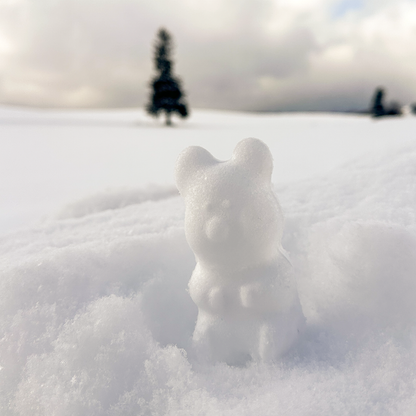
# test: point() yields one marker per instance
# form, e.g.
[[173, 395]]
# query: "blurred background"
[[251, 55]]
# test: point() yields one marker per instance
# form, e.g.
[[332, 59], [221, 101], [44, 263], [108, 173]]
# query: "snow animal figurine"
[[248, 305]]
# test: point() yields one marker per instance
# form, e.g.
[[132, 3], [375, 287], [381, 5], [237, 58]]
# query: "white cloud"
[[246, 54]]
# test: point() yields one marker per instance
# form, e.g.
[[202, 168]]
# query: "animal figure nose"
[[217, 229]]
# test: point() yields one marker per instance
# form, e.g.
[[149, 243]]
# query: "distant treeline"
[[379, 108]]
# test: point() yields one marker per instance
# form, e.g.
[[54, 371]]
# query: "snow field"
[[95, 317], [48, 158]]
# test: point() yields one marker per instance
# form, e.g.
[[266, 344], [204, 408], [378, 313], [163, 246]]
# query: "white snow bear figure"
[[248, 306]]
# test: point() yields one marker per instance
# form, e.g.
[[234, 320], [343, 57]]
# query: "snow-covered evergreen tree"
[[377, 106], [167, 95], [378, 109]]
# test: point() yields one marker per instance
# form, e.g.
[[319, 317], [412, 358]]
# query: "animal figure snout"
[[217, 229]]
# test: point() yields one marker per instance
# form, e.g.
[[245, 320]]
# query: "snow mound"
[[115, 199], [95, 317]]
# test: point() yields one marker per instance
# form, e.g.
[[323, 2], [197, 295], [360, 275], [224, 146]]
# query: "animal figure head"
[[233, 219]]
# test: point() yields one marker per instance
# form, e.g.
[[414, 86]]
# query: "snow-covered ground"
[[95, 318], [50, 158]]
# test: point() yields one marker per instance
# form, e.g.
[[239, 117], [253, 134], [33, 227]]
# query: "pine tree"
[[379, 109], [166, 95], [377, 106]]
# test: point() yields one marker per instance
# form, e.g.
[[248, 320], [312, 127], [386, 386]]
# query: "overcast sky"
[[231, 54]]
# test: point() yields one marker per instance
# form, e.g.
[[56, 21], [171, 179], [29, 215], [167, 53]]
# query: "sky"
[[250, 55]]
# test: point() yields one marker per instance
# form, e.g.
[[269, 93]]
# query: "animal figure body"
[[248, 305]]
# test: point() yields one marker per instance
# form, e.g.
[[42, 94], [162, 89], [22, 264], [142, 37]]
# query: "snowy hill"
[[95, 317]]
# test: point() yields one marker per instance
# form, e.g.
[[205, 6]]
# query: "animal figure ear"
[[255, 157], [191, 161]]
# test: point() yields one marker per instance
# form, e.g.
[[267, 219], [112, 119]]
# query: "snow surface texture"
[[95, 318], [244, 287]]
